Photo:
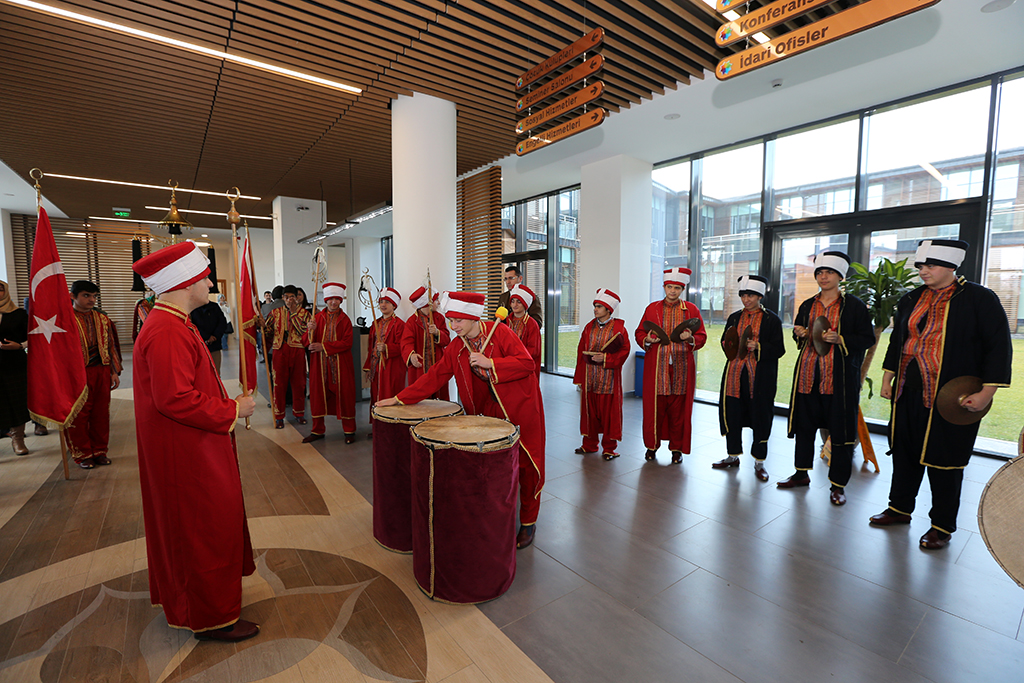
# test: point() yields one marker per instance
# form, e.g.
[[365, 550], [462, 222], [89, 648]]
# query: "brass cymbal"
[[651, 326], [691, 324], [818, 330], [949, 400], [744, 338], [731, 343]]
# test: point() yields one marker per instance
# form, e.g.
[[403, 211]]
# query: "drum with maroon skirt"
[[465, 478], [392, 485]]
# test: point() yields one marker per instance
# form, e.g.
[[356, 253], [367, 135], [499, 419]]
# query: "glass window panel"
[[900, 244], [568, 272], [815, 171], [508, 229], [730, 243], [536, 223], [670, 222], [1006, 258], [929, 151]]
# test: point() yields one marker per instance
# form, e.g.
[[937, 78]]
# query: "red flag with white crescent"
[[56, 366], [247, 313]]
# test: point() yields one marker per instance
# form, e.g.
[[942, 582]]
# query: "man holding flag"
[[56, 367]]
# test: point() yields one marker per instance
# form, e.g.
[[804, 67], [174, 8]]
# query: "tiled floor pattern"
[[640, 572]]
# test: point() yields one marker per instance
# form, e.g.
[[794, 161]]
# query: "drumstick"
[[499, 315]]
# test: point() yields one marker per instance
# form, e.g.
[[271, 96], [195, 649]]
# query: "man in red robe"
[[603, 349], [197, 538], [497, 381], [424, 339], [332, 386], [285, 326], [669, 372], [89, 434], [383, 364], [520, 299]]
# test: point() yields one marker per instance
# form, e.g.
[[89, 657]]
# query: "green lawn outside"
[[1003, 422]]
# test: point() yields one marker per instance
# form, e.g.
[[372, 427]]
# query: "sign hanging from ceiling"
[[765, 18], [561, 82], [562, 106], [563, 131], [121, 212], [868, 14], [570, 52]]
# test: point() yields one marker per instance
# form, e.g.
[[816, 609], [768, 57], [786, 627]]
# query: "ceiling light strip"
[[192, 47], [151, 187]]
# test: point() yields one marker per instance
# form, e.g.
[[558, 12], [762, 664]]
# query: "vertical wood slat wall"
[[478, 238], [102, 256]]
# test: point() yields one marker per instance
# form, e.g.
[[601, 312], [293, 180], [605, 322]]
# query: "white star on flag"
[[46, 328]]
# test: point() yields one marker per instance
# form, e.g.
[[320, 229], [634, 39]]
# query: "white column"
[[615, 239], [423, 174], [294, 219]]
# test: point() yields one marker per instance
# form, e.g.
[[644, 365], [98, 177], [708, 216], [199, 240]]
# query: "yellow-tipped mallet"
[[499, 316]]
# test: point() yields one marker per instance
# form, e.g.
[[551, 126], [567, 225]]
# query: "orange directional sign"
[[765, 18], [563, 56], [561, 82], [577, 125], [724, 6], [563, 106], [853, 20]]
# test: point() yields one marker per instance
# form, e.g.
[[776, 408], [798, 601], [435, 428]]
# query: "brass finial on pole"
[[37, 175], [234, 219]]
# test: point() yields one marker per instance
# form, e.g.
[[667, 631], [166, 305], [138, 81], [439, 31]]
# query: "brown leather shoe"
[[935, 539], [312, 437], [525, 535], [583, 451], [677, 457], [726, 463], [798, 479], [350, 438], [41, 430], [240, 630], [301, 420], [761, 473], [650, 454], [279, 424], [887, 518], [836, 496]]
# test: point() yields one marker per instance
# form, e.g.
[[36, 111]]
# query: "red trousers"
[[89, 434], [604, 412], [671, 423], [289, 369], [320, 425]]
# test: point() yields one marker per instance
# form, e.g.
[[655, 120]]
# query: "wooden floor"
[[333, 605]]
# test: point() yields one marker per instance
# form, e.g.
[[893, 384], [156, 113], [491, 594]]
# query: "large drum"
[[465, 474], [392, 484]]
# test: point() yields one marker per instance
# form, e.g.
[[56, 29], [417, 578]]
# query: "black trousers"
[[907, 470], [813, 411], [739, 413]]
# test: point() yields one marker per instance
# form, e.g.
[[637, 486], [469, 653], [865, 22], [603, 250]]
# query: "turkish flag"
[[56, 366], [247, 312]]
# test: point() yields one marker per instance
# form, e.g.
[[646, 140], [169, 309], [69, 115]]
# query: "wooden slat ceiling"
[[83, 101]]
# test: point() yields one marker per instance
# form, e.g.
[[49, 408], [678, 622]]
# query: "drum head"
[[417, 412], [818, 330], [467, 433], [999, 514], [731, 343]]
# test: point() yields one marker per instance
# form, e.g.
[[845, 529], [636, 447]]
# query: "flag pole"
[[261, 323], [234, 219]]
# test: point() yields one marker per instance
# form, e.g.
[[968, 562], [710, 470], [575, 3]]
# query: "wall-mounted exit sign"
[[120, 212]]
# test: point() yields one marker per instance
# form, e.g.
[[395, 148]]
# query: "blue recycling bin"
[[638, 376]]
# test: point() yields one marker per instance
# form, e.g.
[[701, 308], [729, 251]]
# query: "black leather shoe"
[[677, 457], [583, 451], [279, 424], [301, 420], [312, 437], [726, 463], [610, 455], [935, 539], [525, 535], [798, 479], [240, 630], [350, 438], [650, 454], [888, 518], [836, 496]]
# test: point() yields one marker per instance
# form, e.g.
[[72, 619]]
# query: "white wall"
[[294, 219], [615, 220]]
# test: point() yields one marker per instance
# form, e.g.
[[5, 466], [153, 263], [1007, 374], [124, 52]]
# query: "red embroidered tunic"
[[924, 340], [735, 371], [810, 359]]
